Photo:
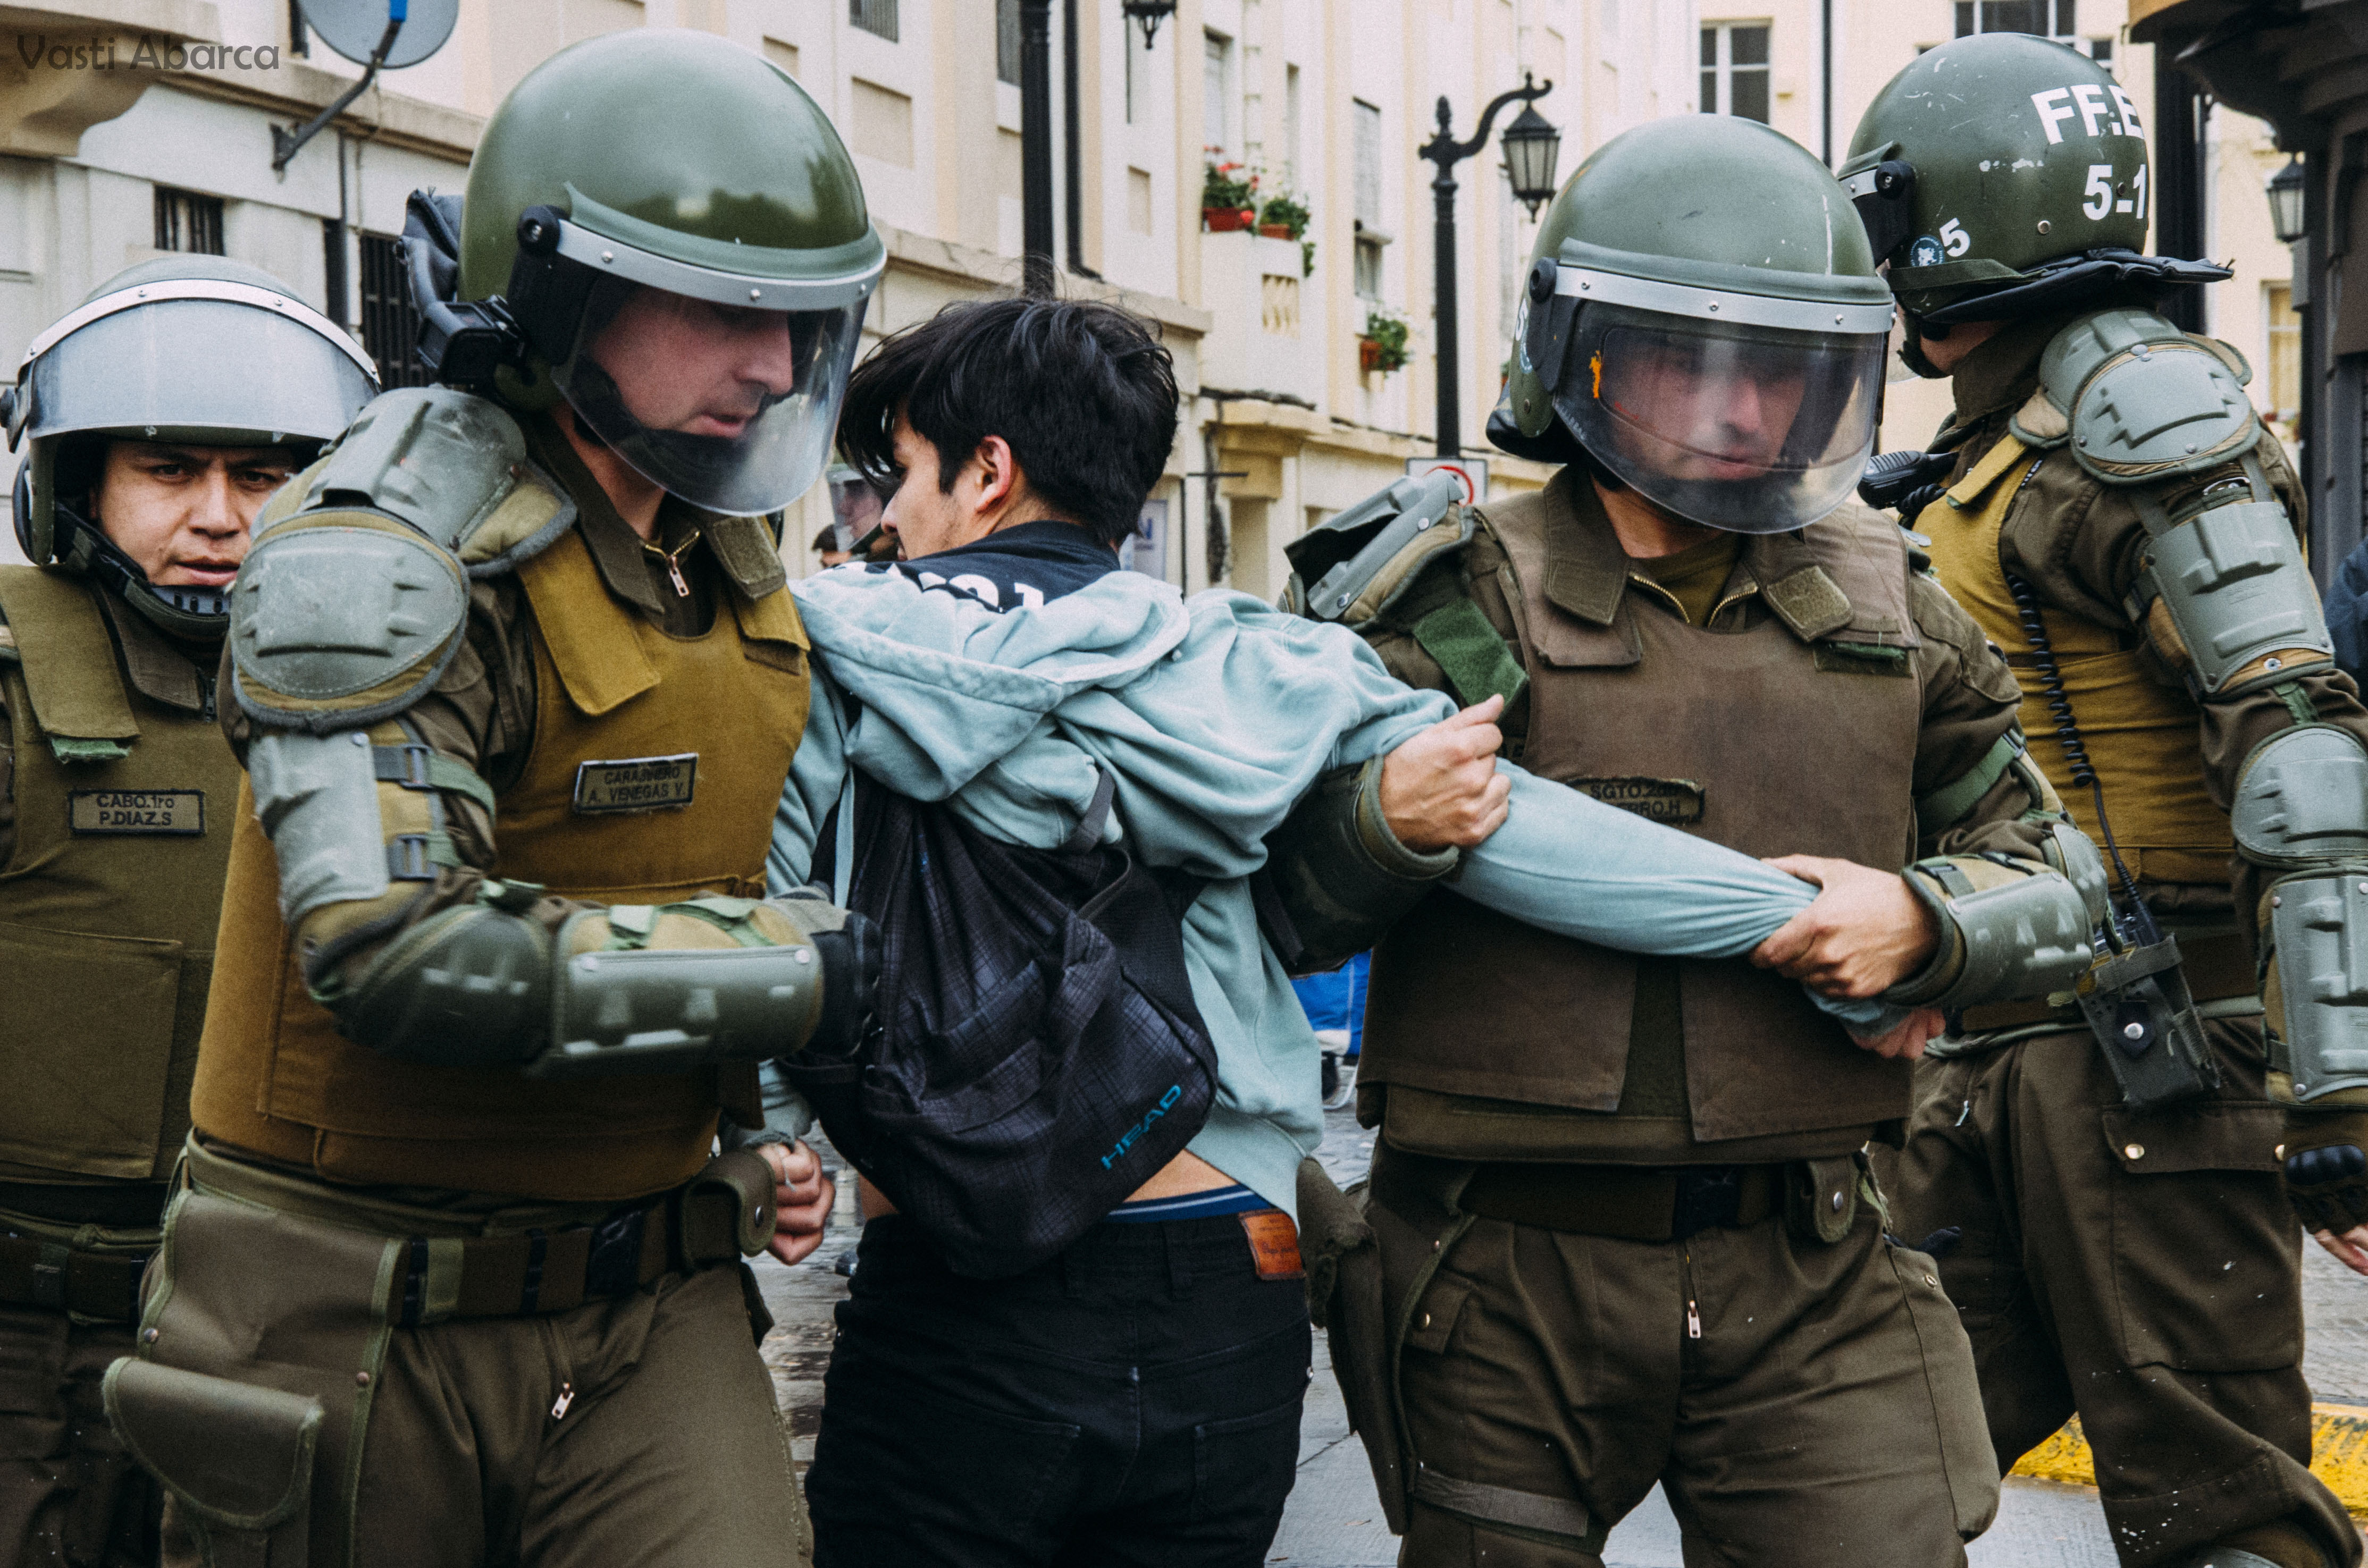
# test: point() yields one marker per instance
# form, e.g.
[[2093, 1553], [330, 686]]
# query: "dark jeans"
[[1133, 1401]]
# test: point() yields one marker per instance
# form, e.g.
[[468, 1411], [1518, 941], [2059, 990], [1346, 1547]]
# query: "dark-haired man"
[[1137, 1398]]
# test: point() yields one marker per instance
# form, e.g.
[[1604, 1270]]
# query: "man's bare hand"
[[1906, 1042], [2349, 1249], [1864, 934], [1440, 788], [801, 1200]]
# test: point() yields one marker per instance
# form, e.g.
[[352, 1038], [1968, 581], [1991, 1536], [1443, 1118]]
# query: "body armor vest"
[[108, 905], [710, 724], [2141, 734], [1795, 736]]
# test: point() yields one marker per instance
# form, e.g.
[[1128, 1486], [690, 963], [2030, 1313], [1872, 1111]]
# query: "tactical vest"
[[2141, 734], [108, 907], [1797, 735], [713, 721]]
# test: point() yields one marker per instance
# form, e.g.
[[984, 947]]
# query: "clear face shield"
[[730, 406], [1752, 429]]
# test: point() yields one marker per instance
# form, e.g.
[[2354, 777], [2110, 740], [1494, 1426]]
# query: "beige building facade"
[[131, 126]]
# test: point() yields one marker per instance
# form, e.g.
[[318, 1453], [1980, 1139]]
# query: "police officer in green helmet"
[[1625, 1233], [151, 423], [2100, 1178], [453, 1272]]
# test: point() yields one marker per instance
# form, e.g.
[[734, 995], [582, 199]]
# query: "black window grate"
[[390, 320], [877, 17], [188, 222]]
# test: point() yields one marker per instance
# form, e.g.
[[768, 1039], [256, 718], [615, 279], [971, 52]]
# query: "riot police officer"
[[2107, 1212], [516, 683], [1624, 1233], [153, 421]]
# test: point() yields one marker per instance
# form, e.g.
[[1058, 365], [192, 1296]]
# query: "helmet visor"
[[729, 407], [1753, 430], [212, 371]]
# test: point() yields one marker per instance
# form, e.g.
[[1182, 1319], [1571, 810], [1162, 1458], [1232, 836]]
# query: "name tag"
[[178, 813], [1655, 800], [636, 783]]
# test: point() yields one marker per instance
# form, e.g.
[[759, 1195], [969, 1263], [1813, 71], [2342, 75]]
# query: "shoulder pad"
[[2140, 401], [1356, 565]]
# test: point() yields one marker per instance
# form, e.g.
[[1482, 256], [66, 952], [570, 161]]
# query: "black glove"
[[2326, 1168], [851, 957]]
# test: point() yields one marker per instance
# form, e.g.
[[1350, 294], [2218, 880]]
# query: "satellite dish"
[[353, 27]]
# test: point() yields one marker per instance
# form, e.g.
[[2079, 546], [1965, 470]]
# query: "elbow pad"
[[2231, 579], [2009, 932], [1341, 875], [2301, 811]]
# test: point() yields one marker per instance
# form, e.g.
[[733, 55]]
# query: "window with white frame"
[[1216, 90], [1734, 69], [1365, 186], [2284, 331], [2056, 19]]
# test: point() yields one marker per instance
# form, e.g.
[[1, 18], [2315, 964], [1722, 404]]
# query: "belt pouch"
[[727, 1210], [1821, 1198], [237, 1459]]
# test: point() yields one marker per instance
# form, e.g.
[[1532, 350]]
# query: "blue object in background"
[[2347, 613], [1337, 1001]]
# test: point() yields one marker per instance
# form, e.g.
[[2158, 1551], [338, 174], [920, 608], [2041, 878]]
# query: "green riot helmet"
[[677, 239], [1703, 318], [186, 349], [2001, 176]]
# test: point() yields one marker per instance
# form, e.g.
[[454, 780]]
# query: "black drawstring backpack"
[[1038, 1055]]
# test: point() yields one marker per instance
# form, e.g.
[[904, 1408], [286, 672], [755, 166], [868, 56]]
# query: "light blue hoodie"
[[1214, 715]]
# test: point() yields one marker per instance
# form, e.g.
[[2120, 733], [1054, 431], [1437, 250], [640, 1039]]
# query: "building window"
[[187, 222], [1007, 43], [873, 17], [1365, 185], [1216, 100], [2285, 358], [1734, 69], [390, 320]]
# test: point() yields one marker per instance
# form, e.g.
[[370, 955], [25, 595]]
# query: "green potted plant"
[[1382, 344], [1228, 198], [1283, 216]]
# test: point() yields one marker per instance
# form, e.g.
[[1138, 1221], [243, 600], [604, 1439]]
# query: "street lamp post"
[[1532, 148], [1036, 271]]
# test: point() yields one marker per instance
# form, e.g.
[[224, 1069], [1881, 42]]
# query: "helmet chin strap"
[[184, 609]]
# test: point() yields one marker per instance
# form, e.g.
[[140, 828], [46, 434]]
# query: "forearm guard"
[[2301, 812], [1339, 874], [635, 988], [2009, 931]]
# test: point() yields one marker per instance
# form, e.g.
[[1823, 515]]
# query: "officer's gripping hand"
[[803, 1197], [1862, 935], [1906, 1040], [1441, 788], [2326, 1168]]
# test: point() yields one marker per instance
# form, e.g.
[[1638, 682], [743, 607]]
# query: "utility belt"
[[2217, 967], [78, 1248], [1668, 1203], [721, 1215]]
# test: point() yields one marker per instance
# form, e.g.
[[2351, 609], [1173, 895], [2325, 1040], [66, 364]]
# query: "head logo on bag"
[[1175, 1092]]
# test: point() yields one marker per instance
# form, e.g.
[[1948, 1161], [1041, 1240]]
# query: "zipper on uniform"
[[566, 1397], [672, 559], [1693, 1308]]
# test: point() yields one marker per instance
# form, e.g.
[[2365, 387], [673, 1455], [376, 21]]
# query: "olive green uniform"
[[517, 1302], [2141, 1270], [1796, 1380], [116, 796]]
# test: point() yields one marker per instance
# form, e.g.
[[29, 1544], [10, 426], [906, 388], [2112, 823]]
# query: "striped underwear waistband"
[[1234, 1199]]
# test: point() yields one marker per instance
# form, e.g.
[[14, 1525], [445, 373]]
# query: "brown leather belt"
[[1635, 1203], [105, 1286], [2215, 967]]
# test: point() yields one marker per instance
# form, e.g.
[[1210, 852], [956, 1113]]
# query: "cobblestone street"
[[1334, 1520]]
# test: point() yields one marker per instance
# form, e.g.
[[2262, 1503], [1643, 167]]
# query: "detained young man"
[[1137, 1398]]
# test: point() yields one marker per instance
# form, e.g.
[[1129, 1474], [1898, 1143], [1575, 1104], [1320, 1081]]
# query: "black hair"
[[1084, 392]]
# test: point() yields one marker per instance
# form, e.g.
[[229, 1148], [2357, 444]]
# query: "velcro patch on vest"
[[171, 812], [636, 783], [1655, 800]]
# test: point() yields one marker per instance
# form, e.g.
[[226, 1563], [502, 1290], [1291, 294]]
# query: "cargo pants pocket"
[[235, 1459], [1355, 1316], [1967, 1462], [2206, 1263]]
